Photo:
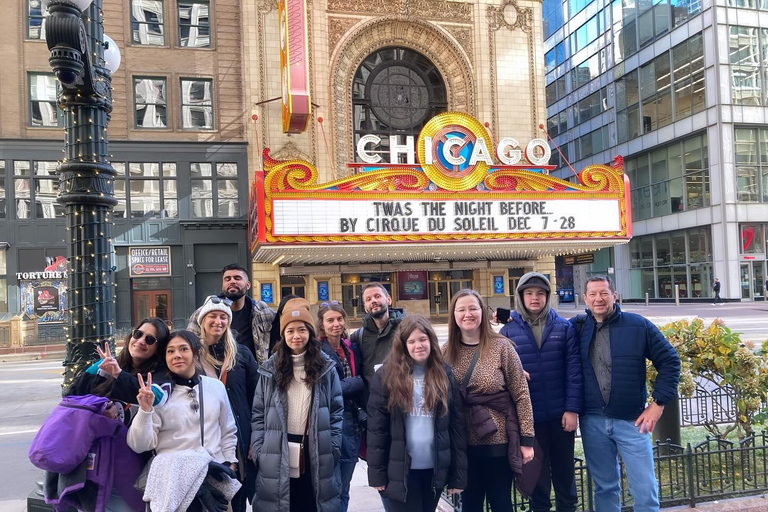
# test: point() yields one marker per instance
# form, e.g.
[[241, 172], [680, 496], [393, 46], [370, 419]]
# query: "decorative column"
[[83, 60]]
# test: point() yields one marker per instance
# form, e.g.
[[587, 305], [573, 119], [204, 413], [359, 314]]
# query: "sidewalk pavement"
[[33, 353]]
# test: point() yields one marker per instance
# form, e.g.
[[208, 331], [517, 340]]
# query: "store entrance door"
[[148, 303]]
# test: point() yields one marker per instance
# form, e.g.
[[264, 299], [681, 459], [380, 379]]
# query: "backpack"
[[66, 436]]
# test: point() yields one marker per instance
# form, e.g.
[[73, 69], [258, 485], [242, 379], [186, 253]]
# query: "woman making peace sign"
[[196, 420]]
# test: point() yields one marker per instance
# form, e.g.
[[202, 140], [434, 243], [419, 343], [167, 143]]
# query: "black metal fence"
[[711, 470]]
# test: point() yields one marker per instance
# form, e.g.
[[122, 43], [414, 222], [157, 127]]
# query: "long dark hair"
[[314, 361], [274, 334], [125, 361], [192, 339], [398, 378]]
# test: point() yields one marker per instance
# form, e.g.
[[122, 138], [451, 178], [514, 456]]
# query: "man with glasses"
[[251, 319], [615, 421], [549, 352]]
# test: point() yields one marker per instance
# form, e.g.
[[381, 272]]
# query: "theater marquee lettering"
[[452, 183], [297, 217]]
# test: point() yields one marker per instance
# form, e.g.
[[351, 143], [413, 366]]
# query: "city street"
[[31, 390]]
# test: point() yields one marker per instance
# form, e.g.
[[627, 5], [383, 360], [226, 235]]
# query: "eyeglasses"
[[215, 299], [192, 393], [471, 309], [326, 304], [148, 338]]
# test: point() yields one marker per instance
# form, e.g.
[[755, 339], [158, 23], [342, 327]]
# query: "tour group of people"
[[248, 407]]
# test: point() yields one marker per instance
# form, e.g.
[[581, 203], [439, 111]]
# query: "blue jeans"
[[604, 439], [347, 468]]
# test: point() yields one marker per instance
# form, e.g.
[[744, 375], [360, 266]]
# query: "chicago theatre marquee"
[[407, 150]]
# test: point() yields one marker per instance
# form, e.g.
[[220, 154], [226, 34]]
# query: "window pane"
[[119, 210], [145, 198], [42, 98], [226, 170], [147, 22], [663, 250], [745, 65], [46, 194], [752, 239], [170, 198], [140, 170], [197, 104], [227, 198], [150, 98], [200, 170], [202, 198], [194, 27], [747, 183], [169, 169], [36, 16]]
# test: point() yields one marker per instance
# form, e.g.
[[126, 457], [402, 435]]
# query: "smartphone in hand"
[[502, 315]]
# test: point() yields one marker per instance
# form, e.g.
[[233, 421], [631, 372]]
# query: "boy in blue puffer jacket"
[[549, 351]]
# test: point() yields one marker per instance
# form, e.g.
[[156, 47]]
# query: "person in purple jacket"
[[549, 351]]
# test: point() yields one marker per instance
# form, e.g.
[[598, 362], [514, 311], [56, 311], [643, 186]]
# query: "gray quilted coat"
[[269, 442]]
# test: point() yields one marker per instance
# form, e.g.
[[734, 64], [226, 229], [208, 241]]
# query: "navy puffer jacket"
[[555, 368], [633, 340]]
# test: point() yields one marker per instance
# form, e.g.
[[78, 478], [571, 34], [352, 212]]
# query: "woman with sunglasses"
[[117, 378], [233, 364], [416, 440], [195, 419], [332, 332], [297, 421]]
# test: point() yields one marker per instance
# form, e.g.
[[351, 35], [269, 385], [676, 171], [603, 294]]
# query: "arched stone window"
[[395, 91]]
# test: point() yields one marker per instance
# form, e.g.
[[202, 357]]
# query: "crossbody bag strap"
[[470, 368], [309, 415], [202, 415]]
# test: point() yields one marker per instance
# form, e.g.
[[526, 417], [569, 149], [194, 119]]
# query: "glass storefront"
[[682, 258], [753, 249], [446, 284]]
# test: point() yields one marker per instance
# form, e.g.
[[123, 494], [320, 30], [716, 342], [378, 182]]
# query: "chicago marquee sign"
[[456, 190]]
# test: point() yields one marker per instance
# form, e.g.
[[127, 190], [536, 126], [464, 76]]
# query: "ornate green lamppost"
[[83, 59]]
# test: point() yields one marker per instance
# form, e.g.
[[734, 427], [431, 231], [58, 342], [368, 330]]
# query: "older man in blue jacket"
[[615, 421], [549, 351]]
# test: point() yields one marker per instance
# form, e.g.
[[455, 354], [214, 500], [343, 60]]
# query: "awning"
[[468, 251]]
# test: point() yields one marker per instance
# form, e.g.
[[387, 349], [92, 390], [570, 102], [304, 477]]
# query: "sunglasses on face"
[[215, 299], [326, 304], [148, 338]]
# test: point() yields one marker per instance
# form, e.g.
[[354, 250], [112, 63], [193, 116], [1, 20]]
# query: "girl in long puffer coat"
[[297, 422]]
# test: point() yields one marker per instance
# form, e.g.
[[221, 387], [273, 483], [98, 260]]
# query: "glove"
[[211, 499], [218, 471]]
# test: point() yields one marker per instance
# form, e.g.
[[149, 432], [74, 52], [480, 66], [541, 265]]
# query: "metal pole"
[[647, 301], [86, 188], [621, 300], [677, 295], [576, 300]]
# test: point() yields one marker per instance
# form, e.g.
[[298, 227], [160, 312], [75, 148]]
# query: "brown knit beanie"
[[295, 310]]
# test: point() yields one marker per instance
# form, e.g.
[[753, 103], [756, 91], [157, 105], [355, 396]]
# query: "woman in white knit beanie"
[[296, 421], [233, 364]]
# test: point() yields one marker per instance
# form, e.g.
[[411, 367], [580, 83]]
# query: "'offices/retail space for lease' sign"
[[461, 186]]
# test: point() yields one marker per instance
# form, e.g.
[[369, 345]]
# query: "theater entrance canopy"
[[454, 194]]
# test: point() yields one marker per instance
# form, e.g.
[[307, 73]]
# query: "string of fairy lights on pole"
[[83, 59]]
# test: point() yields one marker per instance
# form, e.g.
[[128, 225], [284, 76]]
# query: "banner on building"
[[149, 261]]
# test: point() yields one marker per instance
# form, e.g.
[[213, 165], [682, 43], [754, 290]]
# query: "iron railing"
[[714, 469]]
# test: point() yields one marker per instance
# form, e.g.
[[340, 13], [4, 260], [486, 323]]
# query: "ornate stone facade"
[[487, 54]]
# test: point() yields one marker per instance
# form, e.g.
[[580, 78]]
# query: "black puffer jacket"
[[388, 459]]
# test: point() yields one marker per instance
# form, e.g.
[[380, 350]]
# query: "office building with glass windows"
[[678, 88], [177, 141]]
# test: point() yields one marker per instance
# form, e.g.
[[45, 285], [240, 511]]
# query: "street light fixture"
[[83, 59]]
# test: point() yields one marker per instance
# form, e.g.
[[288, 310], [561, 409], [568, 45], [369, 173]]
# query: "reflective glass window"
[[197, 104]]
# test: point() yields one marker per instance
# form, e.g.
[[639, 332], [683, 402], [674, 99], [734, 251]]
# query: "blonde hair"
[[230, 349]]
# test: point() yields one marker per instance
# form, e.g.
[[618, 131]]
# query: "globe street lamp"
[[83, 59]]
